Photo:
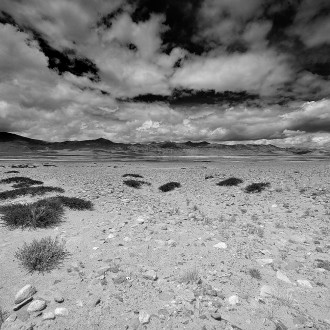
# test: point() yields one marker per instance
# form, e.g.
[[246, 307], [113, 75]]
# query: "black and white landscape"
[[164, 164]]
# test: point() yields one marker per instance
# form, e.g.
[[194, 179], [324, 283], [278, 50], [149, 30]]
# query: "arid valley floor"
[[200, 257]]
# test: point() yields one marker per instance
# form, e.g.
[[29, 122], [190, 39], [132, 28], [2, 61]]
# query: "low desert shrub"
[[190, 276], [41, 214], [74, 203], [135, 183], [169, 186], [255, 273], [230, 182], [42, 256], [132, 175], [257, 187], [207, 177], [11, 172], [21, 182], [33, 191]]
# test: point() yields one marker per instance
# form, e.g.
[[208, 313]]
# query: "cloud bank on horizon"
[[146, 70]]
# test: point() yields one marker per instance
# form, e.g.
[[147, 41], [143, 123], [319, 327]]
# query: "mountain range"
[[13, 143]]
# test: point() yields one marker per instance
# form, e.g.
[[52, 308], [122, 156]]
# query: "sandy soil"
[[133, 235]]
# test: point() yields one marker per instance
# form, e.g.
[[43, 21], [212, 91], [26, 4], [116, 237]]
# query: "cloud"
[[258, 72]]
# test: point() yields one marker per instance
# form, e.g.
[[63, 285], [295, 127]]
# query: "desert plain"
[[201, 256]]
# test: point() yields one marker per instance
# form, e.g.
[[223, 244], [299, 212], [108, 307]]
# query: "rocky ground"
[[199, 257]]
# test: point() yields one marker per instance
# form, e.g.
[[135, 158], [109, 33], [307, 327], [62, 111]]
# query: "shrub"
[[21, 182], [207, 177], [135, 183], [42, 214], [230, 182], [74, 203], [33, 191], [9, 172], [133, 175], [255, 273], [42, 256], [169, 186], [257, 187]]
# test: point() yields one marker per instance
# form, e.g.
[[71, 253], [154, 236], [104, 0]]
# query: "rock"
[[216, 316], [127, 239], [103, 270], [36, 306], [11, 318], [61, 311], [282, 277], [171, 242], [267, 291], [119, 279], [93, 301], [264, 262], [233, 300], [48, 316], [140, 220], [58, 297], [21, 304], [305, 284], [220, 245], [188, 296], [26, 292], [144, 317], [150, 275]]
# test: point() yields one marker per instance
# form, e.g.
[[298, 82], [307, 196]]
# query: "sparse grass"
[[169, 186], [132, 175], [42, 256], [255, 273], [74, 203], [135, 183], [257, 187], [230, 182], [21, 180], [190, 276], [42, 214], [207, 177], [33, 191], [11, 172]]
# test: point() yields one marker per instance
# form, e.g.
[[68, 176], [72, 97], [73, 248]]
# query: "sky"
[[255, 71]]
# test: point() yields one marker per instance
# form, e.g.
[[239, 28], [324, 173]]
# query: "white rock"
[[233, 300], [150, 275], [127, 239], [36, 306], [140, 220], [282, 277], [111, 236], [220, 245], [266, 291], [48, 316], [144, 317], [305, 284], [61, 311], [26, 292]]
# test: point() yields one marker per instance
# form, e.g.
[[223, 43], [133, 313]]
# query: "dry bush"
[[230, 182], [169, 186], [33, 191]]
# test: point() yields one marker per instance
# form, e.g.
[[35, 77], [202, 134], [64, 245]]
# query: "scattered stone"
[[305, 284], [220, 245], [233, 300], [26, 292], [144, 317], [119, 279], [282, 277], [266, 291], [58, 297], [140, 220], [36, 306], [11, 318], [216, 316], [61, 311], [150, 275], [264, 262], [48, 316], [103, 270], [24, 302]]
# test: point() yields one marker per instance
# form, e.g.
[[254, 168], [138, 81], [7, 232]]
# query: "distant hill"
[[12, 142]]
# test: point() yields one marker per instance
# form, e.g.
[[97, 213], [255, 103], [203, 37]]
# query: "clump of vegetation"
[[23, 166], [41, 214], [43, 255], [207, 177], [136, 184], [169, 186], [230, 182], [33, 191], [257, 187], [190, 276], [10, 172], [49, 165], [255, 273], [21, 182], [132, 175], [74, 203]]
